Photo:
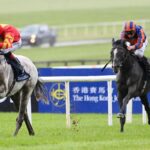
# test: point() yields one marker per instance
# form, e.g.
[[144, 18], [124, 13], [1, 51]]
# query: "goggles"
[[130, 32]]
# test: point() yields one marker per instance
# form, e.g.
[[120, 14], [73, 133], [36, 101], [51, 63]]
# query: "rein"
[[106, 65]]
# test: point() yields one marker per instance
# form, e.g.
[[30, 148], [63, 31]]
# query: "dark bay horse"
[[130, 79], [20, 92]]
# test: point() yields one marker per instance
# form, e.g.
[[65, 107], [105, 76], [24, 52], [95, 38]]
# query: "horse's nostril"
[[115, 69]]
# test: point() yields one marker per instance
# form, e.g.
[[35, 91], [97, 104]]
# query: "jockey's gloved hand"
[[131, 47]]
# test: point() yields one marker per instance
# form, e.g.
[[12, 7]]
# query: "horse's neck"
[[131, 66], [129, 62], [2, 59], [4, 68]]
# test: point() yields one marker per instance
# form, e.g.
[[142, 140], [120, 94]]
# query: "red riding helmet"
[[129, 26]]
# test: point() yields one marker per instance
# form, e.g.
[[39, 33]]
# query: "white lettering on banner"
[[76, 89], [115, 98], [101, 90], [93, 90], [84, 90], [90, 90], [77, 98], [91, 94], [95, 99], [91, 98], [103, 98]]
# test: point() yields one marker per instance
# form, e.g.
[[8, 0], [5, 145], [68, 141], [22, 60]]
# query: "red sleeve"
[[1, 45]]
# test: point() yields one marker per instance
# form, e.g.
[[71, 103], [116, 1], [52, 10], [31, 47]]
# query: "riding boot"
[[19, 72], [146, 67]]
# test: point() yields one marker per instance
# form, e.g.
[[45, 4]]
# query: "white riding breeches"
[[15, 45], [140, 52]]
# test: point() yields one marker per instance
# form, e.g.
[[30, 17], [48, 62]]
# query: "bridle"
[[121, 62]]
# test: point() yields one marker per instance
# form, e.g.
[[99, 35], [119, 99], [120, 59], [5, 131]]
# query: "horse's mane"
[[120, 43]]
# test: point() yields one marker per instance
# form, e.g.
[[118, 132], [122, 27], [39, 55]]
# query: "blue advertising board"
[[85, 97]]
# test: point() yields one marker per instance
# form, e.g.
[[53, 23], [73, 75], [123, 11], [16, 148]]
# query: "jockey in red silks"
[[10, 40], [136, 36]]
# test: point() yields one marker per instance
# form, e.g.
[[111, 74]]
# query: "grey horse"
[[131, 80], [20, 92]]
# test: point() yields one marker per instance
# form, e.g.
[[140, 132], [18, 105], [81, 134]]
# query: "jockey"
[[10, 40], [136, 36]]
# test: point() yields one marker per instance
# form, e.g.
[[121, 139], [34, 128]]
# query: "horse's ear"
[[113, 41]]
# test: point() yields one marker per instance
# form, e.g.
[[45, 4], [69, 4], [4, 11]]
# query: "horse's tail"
[[40, 92]]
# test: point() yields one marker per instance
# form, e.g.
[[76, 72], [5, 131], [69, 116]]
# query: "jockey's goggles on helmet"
[[129, 32]]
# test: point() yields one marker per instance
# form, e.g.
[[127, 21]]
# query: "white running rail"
[[108, 78]]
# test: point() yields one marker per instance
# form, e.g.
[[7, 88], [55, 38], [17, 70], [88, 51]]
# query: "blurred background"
[[69, 32]]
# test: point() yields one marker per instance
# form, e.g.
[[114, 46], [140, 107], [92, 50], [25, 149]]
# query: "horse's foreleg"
[[121, 95], [123, 108], [130, 94], [144, 101], [122, 123], [121, 115]]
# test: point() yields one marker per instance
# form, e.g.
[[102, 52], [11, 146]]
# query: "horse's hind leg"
[[28, 124], [144, 101], [21, 104]]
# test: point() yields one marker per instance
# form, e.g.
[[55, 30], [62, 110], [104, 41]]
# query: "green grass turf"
[[91, 133], [60, 12], [96, 51]]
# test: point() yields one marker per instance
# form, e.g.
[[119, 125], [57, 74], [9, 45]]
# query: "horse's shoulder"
[[136, 60], [21, 57]]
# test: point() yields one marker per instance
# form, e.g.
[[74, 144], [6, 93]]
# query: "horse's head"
[[119, 54]]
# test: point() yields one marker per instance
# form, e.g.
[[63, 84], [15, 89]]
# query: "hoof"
[[32, 134], [120, 115]]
